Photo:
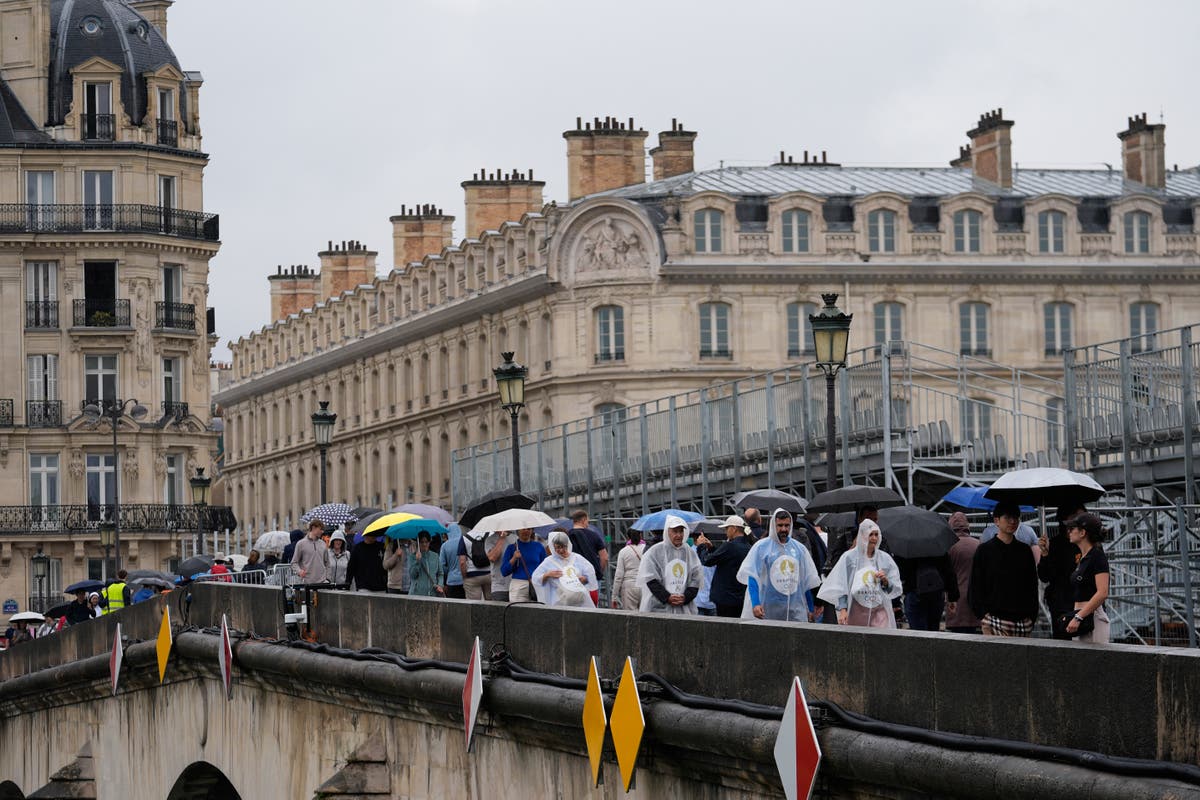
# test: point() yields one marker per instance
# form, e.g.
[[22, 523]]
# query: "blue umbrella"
[[972, 497], [410, 528], [656, 521], [84, 586]]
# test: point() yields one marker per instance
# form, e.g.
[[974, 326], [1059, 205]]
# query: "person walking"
[[496, 543], [452, 578], [959, 617], [518, 563], [589, 543], [476, 566], [1060, 556], [365, 571], [564, 577], [424, 569], [626, 593], [395, 557], [726, 592], [1004, 583], [864, 581], [670, 574], [1090, 580], [308, 557], [337, 560], [930, 587], [780, 575]]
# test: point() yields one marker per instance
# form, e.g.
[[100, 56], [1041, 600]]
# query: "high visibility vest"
[[115, 594]]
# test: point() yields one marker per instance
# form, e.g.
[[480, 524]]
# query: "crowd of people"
[[787, 568]]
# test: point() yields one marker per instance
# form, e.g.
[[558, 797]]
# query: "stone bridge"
[[333, 721]]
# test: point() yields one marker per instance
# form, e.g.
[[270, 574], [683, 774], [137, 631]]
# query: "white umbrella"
[[514, 519], [27, 616], [1045, 486], [273, 542]]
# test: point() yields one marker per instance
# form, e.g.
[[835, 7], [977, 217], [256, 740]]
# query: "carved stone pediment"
[[609, 244]]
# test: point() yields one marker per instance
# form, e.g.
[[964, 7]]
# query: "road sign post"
[[797, 751]]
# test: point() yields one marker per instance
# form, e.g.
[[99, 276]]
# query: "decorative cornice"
[[940, 272]]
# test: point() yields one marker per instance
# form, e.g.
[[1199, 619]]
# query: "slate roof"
[[16, 127], [909, 181]]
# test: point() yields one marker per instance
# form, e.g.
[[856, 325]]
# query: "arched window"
[[1052, 229], [889, 323], [799, 330], [1058, 327], [967, 225], [1143, 324], [973, 330], [1137, 232], [795, 231], [708, 230], [714, 330], [881, 231], [610, 334]]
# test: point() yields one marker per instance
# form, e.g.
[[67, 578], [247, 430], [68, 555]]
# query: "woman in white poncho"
[[564, 578], [863, 582], [671, 573]]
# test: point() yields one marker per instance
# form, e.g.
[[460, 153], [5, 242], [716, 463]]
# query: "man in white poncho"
[[779, 573], [863, 582], [671, 573]]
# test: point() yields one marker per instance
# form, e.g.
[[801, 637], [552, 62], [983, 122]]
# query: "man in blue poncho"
[[779, 574]]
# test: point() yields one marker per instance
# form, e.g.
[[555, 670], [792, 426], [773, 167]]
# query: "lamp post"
[[107, 533], [831, 338], [200, 483], [510, 378], [114, 410], [41, 570], [322, 421]]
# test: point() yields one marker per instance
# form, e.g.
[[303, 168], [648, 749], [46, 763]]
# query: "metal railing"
[[37, 520], [181, 316], [100, 127], [6, 413], [906, 413], [41, 314], [101, 313], [168, 133], [104, 218], [43, 414], [174, 409]]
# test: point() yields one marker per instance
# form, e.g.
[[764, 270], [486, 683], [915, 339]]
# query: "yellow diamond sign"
[[627, 724], [595, 720], [164, 643]]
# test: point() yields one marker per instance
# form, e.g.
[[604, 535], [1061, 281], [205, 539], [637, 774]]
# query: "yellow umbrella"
[[387, 521]]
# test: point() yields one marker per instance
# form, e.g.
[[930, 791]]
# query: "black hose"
[[681, 697]]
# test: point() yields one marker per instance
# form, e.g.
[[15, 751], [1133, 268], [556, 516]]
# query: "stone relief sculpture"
[[75, 466], [129, 464], [612, 244], [142, 330]]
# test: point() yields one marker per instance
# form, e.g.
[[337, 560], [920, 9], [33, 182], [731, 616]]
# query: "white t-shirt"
[[500, 581]]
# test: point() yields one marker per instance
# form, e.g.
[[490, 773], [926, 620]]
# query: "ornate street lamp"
[[41, 571], [199, 483], [114, 410], [322, 421], [510, 378], [108, 532], [831, 339]]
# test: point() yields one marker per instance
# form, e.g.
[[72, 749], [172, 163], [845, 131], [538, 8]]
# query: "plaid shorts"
[[1007, 627]]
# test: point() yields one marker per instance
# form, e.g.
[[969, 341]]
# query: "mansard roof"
[[16, 126], [840, 181]]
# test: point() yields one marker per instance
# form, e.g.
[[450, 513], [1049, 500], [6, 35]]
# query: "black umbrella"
[[840, 521], [59, 611], [84, 586], [769, 499], [139, 575], [852, 497], [913, 532], [196, 565], [494, 503], [363, 511], [150, 580]]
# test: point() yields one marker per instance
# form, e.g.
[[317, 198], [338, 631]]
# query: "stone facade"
[[705, 276], [104, 286]]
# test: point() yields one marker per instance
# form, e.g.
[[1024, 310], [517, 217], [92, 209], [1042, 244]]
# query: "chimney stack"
[[496, 197], [964, 157], [155, 12], [1144, 153], [420, 231], [345, 267], [675, 154], [991, 149], [604, 154], [293, 289]]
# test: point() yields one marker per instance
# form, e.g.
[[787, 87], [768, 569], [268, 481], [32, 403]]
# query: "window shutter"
[[51, 377], [33, 370]]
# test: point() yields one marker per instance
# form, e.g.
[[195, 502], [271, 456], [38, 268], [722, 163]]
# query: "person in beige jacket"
[[395, 561], [626, 593]]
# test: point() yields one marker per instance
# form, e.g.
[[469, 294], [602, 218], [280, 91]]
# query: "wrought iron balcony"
[[6, 413], [168, 133], [41, 314], [174, 409], [101, 127], [181, 316], [125, 218], [135, 518], [106, 313], [43, 413], [610, 356], [708, 352]]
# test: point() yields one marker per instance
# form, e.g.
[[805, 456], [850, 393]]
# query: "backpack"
[[478, 553], [929, 580]]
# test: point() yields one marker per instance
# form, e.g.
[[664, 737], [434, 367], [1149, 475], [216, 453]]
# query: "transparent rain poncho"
[[784, 571]]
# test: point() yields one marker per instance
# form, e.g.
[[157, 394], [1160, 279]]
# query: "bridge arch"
[[201, 781], [10, 791]]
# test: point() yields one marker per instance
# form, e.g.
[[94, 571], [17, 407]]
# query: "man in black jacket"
[[727, 593], [1004, 583], [365, 569]]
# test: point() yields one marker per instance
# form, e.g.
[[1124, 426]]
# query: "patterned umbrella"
[[332, 514]]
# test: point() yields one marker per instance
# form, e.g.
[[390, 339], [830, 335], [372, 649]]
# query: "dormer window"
[[881, 231], [795, 231], [91, 26], [708, 230], [1052, 226], [98, 120], [966, 231], [1137, 232]]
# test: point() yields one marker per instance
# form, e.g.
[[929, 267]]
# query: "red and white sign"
[[472, 692], [226, 658], [115, 659], [797, 751]]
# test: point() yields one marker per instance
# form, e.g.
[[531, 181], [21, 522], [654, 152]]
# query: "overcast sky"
[[323, 116]]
